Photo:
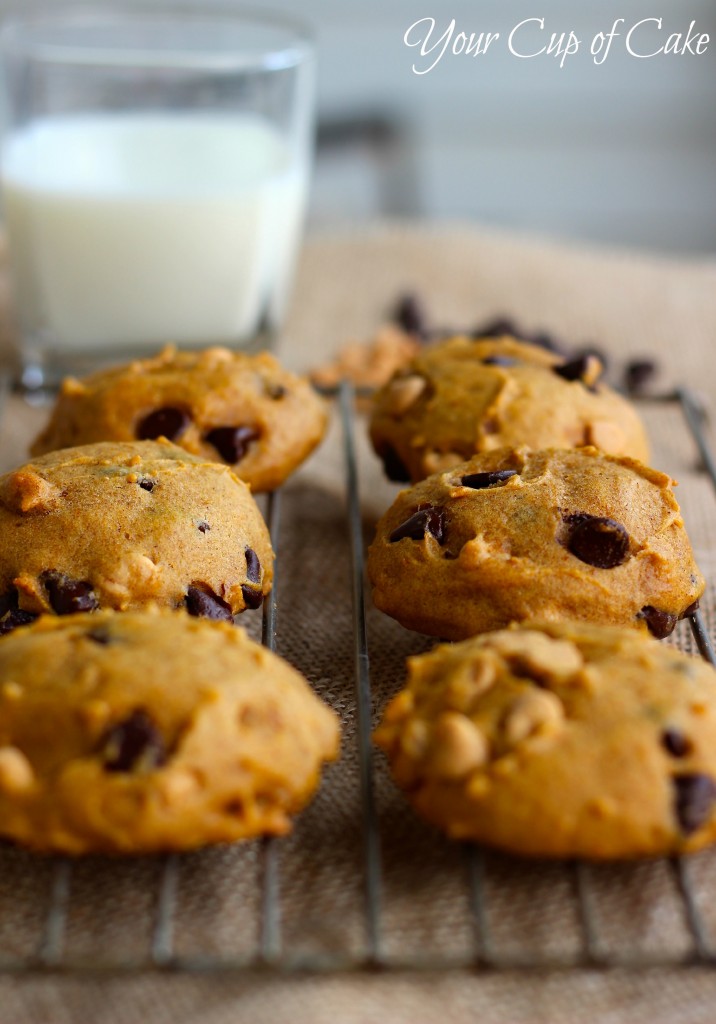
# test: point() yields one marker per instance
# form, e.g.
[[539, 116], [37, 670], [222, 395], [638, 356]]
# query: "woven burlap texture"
[[626, 304]]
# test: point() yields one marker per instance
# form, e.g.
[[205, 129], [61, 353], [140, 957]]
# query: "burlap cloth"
[[629, 305]]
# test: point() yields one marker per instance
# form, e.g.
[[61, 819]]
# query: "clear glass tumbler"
[[154, 170]]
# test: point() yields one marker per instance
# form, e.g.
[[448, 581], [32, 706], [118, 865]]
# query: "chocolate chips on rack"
[[134, 745], [638, 374], [597, 540], [428, 519], [410, 315]]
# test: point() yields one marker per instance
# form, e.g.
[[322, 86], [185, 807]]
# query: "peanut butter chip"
[[404, 391], [535, 711], [606, 435], [539, 655], [440, 462], [414, 738], [458, 746], [72, 386], [399, 707], [26, 491], [178, 785], [16, 774]]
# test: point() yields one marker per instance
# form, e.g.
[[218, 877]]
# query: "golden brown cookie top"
[[152, 730], [559, 739], [463, 396], [119, 525], [244, 410], [515, 533]]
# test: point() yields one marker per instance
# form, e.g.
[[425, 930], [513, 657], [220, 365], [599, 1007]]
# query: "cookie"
[[464, 396], [369, 364], [141, 732], [121, 525], [244, 410], [516, 534], [559, 740]]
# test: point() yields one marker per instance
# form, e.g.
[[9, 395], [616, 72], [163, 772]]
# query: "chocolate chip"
[[133, 745], [202, 526], [500, 361], [67, 595], [428, 519], [232, 442], [693, 607], [693, 800], [674, 741], [638, 373], [576, 369], [275, 391], [166, 422], [252, 598], [253, 566], [410, 315], [479, 481], [660, 624], [545, 340], [598, 541], [14, 618], [395, 468], [496, 328], [100, 636], [204, 603], [147, 484]]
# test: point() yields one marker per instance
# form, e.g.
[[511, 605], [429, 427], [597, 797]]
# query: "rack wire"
[[270, 953]]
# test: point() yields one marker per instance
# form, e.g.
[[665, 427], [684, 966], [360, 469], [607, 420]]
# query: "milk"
[[127, 231]]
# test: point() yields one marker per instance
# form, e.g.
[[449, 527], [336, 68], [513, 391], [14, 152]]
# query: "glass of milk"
[[154, 172]]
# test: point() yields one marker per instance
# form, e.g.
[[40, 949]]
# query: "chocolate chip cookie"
[[121, 525], [463, 396], [559, 740], [152, 731], [240, 409], [516, 534]]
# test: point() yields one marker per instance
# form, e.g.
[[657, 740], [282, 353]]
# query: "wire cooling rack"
[[269, 951]]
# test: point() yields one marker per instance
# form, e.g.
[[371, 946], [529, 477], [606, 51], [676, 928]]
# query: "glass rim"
[[22, 34]]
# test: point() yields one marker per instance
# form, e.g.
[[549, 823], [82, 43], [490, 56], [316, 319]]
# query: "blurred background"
[[622, 153]]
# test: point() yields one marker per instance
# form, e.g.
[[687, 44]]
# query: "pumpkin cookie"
[[559, 740], [141, 732], [244, 410], [122, 525], [464, 396], [516, 534]]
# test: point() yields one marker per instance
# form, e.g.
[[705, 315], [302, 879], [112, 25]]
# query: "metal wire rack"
[[270, 953]]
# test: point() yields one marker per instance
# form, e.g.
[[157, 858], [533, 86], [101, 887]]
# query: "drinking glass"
[[154, 170]]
